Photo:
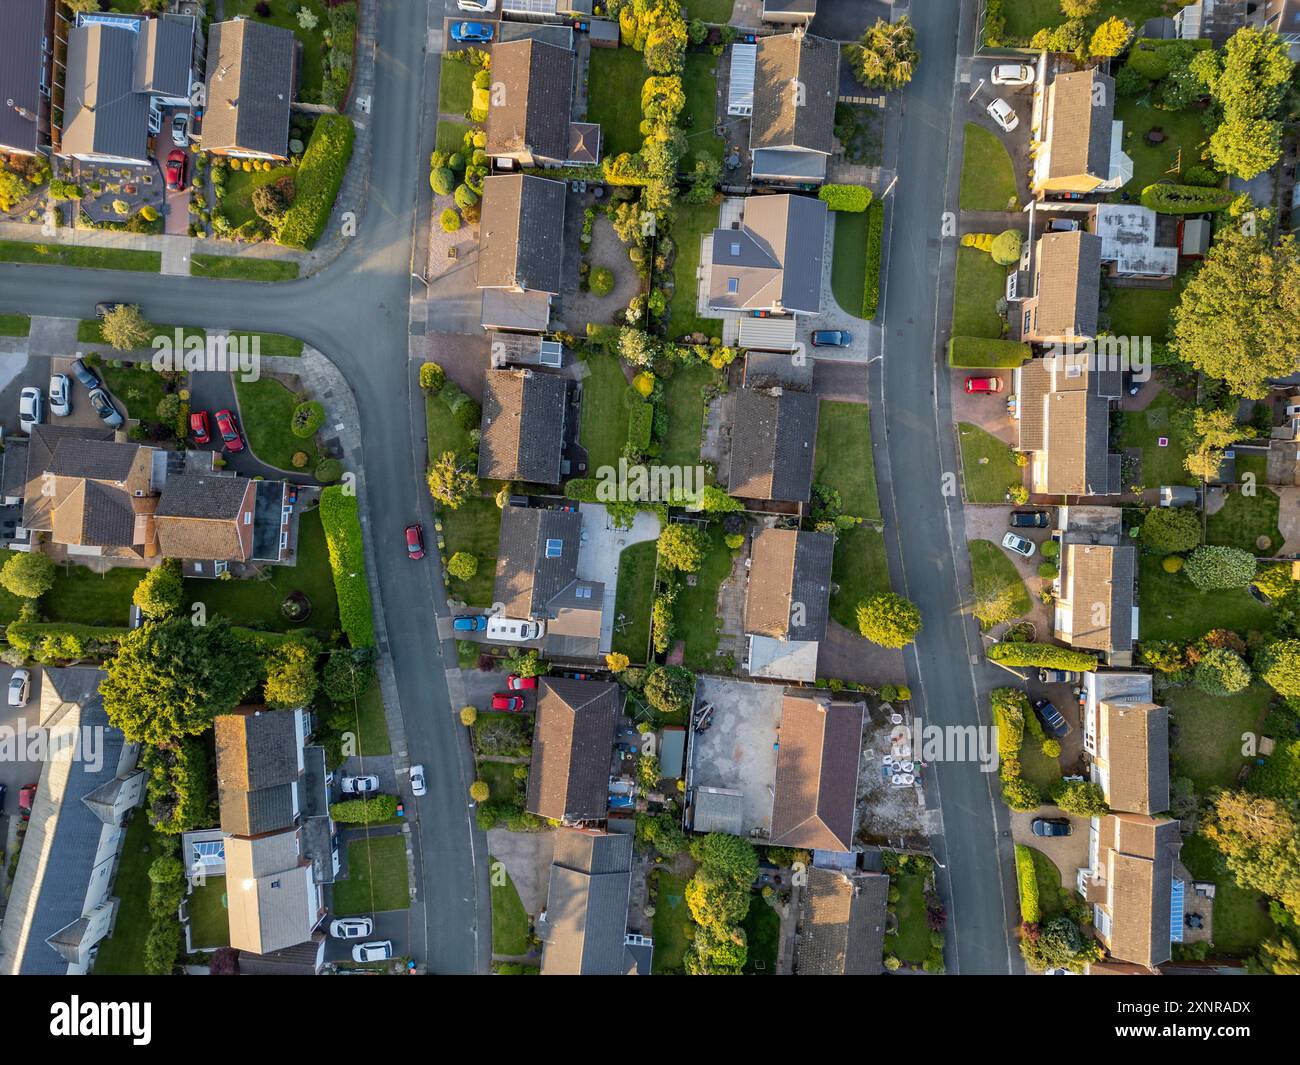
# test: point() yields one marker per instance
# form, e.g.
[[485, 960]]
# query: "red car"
[[229, 432], [199, 427], [26, 800], [516, 683], [983, 385], [511, 704], [176, 169], [415, 541]]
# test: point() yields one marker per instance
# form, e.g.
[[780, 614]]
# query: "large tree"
[[161, 592], [450, 481], [125, 328], [888, 619], [27, 574], [1170, 529], [1260, 844], [1238, 319], [886, 57], [170, 678], [291, 673], [1248, 82], [682, 547]]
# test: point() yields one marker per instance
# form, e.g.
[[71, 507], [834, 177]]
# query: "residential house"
[[787, 602], [842, 920], [523, 426], [26, 75], [770, 261], [814, 801], [1080, 145], [1136, 241], [584, 926], [206, 521], [252, 75], [1096, 587], [773, 444], [530, 118], [1063, 422], [1214, 20], [61, 902], [573, 747], [792, 129], [121, 72], [521, 251], [1126, 734], [789, 12], [1283, 18], [1059, 305]]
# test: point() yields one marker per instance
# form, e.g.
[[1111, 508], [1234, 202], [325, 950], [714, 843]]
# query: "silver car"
[[366, 785], [379, 950], [1013, 74], [60, 395], [418, 786], [351, 927], [1019, 545]]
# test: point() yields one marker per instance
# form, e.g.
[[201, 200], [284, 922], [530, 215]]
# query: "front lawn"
[[474, 527], [1208, 732], [1024, 18], [370, 723], [911, 943], [717, 12], [988, 465], [695, 614], [692, 221], [266, 411], [860, 570], [122, 954], [700, 81], [762, 925], [376, 877], [237, 203], [1248, 522], [1051, 894], [15, 325], [209, 914], [604, 415], [1144, 430], [988, 182], [633, 599], [441, 429], [138, 385], [844, 460], [450, 135], [243, 268], [848, 263], [1154, 163], [1172, 608], [1241, 917], [456, 88], [671, 921], [83, 596], [91, 258], [684, 401], [980, 284], [273, 343], [614, 81], [509, 918], [996, 579]]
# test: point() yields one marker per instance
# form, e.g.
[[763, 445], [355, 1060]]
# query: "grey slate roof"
[[250, 85], [780, 119], [102, 113], [198, 514], [95, 458], [774, 261], [586, 905], [257, 766], [526, 580], [14, 458], [536, 81], [305, 959], [789, 7], [22, 60], [163, 56], [773, 442], [522, 234], [842, 924], [523, 426], [790, 584], [573, 743]]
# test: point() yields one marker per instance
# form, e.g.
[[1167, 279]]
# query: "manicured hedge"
[[640, 420], [875, 235], [1184, 199], [362, 811], [1047, 655], [978, 353], [320, 174], [852, 198], [582, 489], [1028, 883], [342, 523]]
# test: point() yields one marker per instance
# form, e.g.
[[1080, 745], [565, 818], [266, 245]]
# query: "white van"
[[514, 630]]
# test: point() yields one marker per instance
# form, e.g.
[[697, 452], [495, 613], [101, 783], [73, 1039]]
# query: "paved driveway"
[[602, 546], [977, 98], [1068, 853], [847, 20]]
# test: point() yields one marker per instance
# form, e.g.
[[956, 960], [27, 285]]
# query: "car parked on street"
[[104, 408], [380, 950], [84, 374], [26, 800], [516, 683], [199, 427], [229, 431], [1050, 826], [20, 687], [418, 786], [1053, 723], [1003, 114], [31, 408], [471, 32], [831, 338], [60, 395], [104, 308], [1012, 74], [1019, 545], [415, 541], [176, 164], [363, 785], [351, 927], [983, 386], [504, 702], [469, 623], [1029, 519]]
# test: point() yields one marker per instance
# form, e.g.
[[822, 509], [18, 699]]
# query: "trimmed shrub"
[[320, 174], [362, 811], [449, 220], [329, 470], [1028, 882], [462, 565], [640, 421], [852, 198], [875, 237], [1184, 199], [432, 377], [342, 523], [601, 281], [1006, 247], [442, 180], [307, 418], [978, 353], [1047, 655], [1216, 566]]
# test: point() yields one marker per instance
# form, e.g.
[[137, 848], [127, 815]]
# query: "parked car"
[[1053, 723], [976, 386], [1029, 519], [514, 630], [507, 703], [1019, 545], [363, 785], [20, 687], [516, 683], [84, 374], [199, 427], [1062, 225], [31, 408], [60, 395], [418, 787], [1050, 826], [469, 623], [1057, 676], [471, 32], [104, 408], [1003, 114], [26, 800], [380, 950], [176, 163], [415, 541], [484, 6], [1013, 74], [351, 927], [4, 790], [103, 309], [229, 431], [831, 338], [181, 129]]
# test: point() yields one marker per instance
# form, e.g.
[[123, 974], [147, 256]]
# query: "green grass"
[[691, 223], [376, 877], [90, 332], [1025, 17], [695, 614], [243, 268], [509, 918], [1151, 162], [980, 284], [844, 460], [1247, 522], [717, 12], [860, 570], [1142, 312], [684, 401], [762, 926], [456, 88], [82, 595], [614, 82], [987, 465], [635, 594], [450, 135], [265, 410], [237, 203], [912, 941], [1208, 731], [15, 325], [1051, 894], [1036, 767], [137, 385], [848, 263], [671, 921], [372, 726], [1143, 430], [604, 416], [284, 13], [988, 182], [1256, 465], [123, 953], [441, 429], [1241, 917], [89, 258], [475, 527], [209, 916], [501, 782], [700, 81], [1172, 608], [274, 343], [994, 573]]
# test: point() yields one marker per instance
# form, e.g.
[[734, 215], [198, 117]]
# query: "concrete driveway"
[[1021, 98], [393, 925], [527, 858], [1068, 853], [847, 20]]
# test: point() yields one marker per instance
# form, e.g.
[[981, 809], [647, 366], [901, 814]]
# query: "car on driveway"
[[1019, 545], [1057, 676], [418, 786], [199, 427], [1029, 519], [364, 785], [1003, 114], [84, 374], [469, 623], [831, 338], [415, 541], [983, 386], [229, 431], [471, 32], [504, 702], [20, 687], [180, 129], [60, 395], [104, 408], [1050, 826], [31, 408], [1012, 74], [1053, 723], [176, 163], [380, 950], [516, 683], [352, 927]]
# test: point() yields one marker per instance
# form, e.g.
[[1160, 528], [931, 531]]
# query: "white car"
[[180, 129], [1001, 112], [60, 395], [417, 780], [20, 686], [1019, 545], [351, 927], [31, 408], [1013, 74], [366, 785], [485, 7], [379, 950]]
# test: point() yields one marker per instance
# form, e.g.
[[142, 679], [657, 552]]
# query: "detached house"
[[1096, 586], [842, 920], [773, 443], [1126, 734], [523, 426], [573, 749], [792, 129], [1064, 293], [251, 81], [529, 121], [770, 260], [521, 251], [787, 603], [26, 75], [1080, 145]]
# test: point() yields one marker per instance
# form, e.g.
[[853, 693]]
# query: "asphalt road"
[[355, 311]]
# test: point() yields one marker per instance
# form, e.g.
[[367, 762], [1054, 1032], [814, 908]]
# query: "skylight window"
[[733, 285], [553, 548]]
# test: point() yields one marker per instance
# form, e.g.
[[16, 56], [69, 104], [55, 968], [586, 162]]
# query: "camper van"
[[514, 630]]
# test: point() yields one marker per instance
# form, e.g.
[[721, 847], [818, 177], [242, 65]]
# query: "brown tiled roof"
[[789, 584], [257, 765], [842, 924], [1081, 108], [1137, 855], [817, 763], [91, 514], [536, 94], [1137, 755], [1069, 284], [780, 118], [522, 234], [1100, 588], [523, 426], [1060, 413], [773, 442], [198, 516], [573, 743]]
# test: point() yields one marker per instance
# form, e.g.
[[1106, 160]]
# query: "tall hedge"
[[320, 174], [852, 198], [980, 353], [1030, 912], [1184, 199], [340, 517], [362, 811], [1046, 655], [875, 236]]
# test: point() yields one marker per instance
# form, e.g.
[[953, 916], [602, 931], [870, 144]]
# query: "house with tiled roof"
[[1095, 607], [771, 260], [523, 426], [1126, 735], [787, 602], [1079, 149], [573, 747], [529, 119], [792, 128], [1061, 304], [521, 251], [252, 74], [206, 519], [842, 922], [819, 755], [773, 444], [26, 75]]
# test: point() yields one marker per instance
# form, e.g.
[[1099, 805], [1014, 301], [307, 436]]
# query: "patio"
[[134, 186]]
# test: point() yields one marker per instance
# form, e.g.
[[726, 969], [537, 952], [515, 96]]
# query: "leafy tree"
[[529, 664], [348, 673], [161, 592], [670, 689], [468, 715], [726, 855], [1111, 37], [1170, 529], [291, 673], [616, 662], [432, 377], [662, 832], [1260, 844], [125, 328], [1215, 566], [1221, 672], [1207, 434], [450, 482], [1249, 75], [1277, 957], [1020, 794], [637, 346], [12, 189], [1246, 146], [1059, 944], [1164, 656], [1080, 797], [81, 7], [462, 565], [479, 791], [1079, 8], [682, 547], [886, 57], [1275, 581], [170, 678], [27, 574], [1279, 666], [888, 619]]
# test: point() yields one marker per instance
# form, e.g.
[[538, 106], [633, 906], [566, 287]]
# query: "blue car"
[[469, 622], [831, 338], [471, 31]]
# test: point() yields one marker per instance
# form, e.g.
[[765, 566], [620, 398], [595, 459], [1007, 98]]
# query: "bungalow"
[[523, 426], [573, 747], [770, 260], [251, 81], [1096, 586], [773, 443], [842, 921], [787, 603], [1079, 150], [792, 129], [521, 251], [529, 119], [26, 75]]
